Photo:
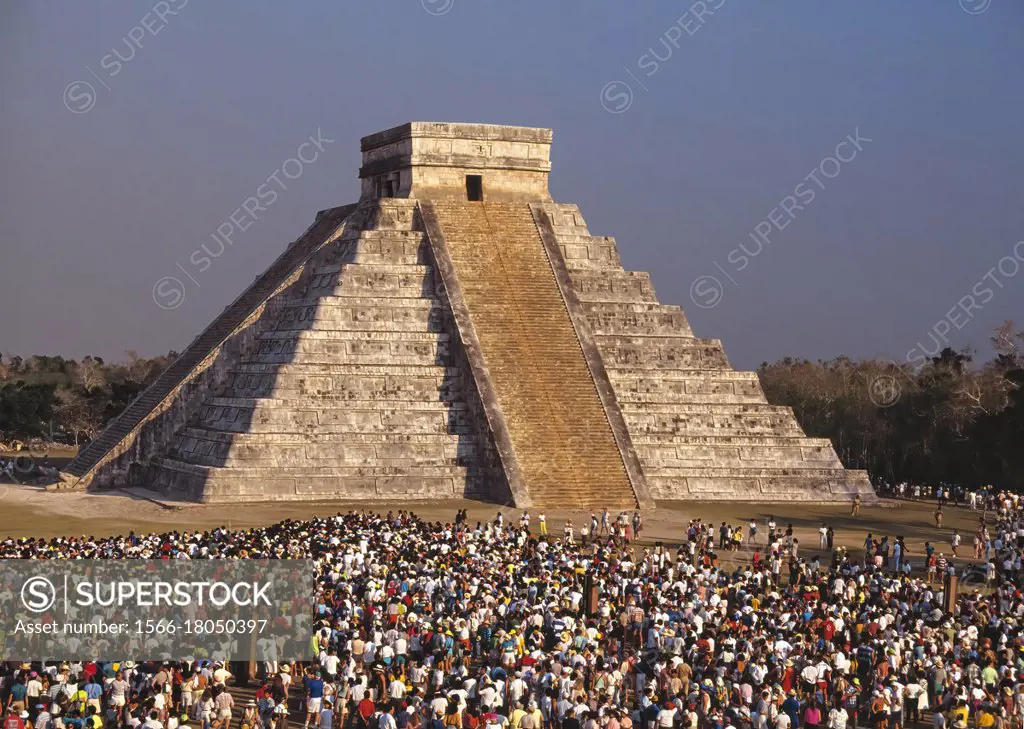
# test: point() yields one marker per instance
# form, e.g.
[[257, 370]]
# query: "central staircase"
[[562, 440]]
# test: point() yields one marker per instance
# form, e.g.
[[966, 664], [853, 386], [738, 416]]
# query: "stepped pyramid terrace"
[[456, 333]]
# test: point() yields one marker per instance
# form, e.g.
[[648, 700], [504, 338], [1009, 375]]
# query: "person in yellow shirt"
[[959, 713], [984, 718], [92, 719], [515, 719], [81, 698]]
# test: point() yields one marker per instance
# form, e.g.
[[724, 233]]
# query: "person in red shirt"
[[16, 720], [364, 712]]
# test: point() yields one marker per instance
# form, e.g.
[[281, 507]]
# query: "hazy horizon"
[[684, 130]]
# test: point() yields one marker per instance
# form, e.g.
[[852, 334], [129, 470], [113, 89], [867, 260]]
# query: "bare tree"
[[138, 369], [78, 415], [90, 374], [1008, 342]]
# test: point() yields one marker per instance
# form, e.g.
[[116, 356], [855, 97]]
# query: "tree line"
[[69, 400], [953, 421]]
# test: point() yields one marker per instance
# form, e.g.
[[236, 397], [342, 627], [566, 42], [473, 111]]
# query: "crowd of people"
[[500, 625], [983, 499]]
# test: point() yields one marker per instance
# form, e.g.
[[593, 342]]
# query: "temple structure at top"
[[456, 333]]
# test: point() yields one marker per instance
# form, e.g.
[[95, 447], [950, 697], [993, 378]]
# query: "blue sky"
[[97, 206]]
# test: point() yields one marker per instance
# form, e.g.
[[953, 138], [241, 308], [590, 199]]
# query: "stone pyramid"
[[457, 334]]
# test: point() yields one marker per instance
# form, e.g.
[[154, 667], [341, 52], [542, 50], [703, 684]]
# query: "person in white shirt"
[[387, 720], [666, 717], [837, 718], [396, 690]]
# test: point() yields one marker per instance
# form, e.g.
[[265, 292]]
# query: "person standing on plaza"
[[838, 717], [314, 696]]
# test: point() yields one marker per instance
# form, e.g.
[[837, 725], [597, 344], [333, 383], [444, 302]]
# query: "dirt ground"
[[30, 511]]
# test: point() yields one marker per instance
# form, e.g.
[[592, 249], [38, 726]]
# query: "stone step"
[[335, 315], [690, 472], [583, 251], [613, 285], [641, 424], [715, 386], [630, 374], [360, 303], [775, 487], [730, 410], [367, 237], [309, 380], [730, 441], [324, 334], [393, 214], [403, 455], [346, 369], [711, 389], [335, 420], [230, 486], [665, 466], [316, 471], [797, 450], [343, 270], [626, 319], [374, 404], [356, 256], [559, 431], [359, 281], [342, 351], [319, 389], [336, 439], [373, 247], [566, 219], [721, 412], [671, 400], [657, 353]]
